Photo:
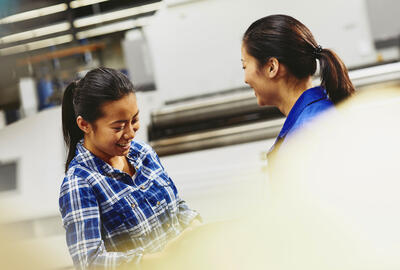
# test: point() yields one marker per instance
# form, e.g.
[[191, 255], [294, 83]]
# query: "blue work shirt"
[[310, 104]]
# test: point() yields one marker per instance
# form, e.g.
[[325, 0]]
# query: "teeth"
[[123, 145]]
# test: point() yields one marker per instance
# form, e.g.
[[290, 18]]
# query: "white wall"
[[2, 119], [385, 20], [196, 47], [137, 58], [28, 96], [36, 143]]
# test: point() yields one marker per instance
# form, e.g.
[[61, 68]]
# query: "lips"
[[124, 145]]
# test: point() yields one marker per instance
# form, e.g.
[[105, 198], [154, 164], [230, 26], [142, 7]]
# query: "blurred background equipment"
[[51, 41], [233, 117]]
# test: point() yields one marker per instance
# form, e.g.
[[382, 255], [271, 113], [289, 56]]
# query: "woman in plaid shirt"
[[117, 202]]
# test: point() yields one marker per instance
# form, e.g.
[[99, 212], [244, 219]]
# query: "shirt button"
[[142, 187], [133, 205], [137, 167], [158, 203], [168, 182]]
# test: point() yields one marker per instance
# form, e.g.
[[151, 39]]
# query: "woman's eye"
[[118, 128]]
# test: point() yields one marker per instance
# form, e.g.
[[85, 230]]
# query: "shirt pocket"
[[112, 220], [126, 217], [165, 182]]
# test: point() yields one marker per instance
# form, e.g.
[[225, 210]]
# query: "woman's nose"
[[130, 134]]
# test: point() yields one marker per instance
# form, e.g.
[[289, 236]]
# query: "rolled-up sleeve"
[[185, 214], [81, 219]]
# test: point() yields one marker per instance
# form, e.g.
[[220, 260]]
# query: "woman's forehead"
[[124, 107]]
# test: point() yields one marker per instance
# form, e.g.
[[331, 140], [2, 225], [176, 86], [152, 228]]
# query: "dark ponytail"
[[72, 133], [85, 97], [334, 76], [293, 44]]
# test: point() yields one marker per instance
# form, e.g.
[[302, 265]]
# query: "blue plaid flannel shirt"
[[111, 219]]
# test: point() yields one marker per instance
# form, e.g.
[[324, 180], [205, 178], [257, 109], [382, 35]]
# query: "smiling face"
[[110, 135], [259, 78]]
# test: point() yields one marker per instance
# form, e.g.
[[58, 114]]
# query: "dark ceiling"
[[68, 15], [9, 70]]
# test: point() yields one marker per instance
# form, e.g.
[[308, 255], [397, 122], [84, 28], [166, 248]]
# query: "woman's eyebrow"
[[124, 121], [119, 121]]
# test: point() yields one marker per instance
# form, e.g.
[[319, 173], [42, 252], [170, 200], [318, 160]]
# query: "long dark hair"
[[292, 43], [85, 97]]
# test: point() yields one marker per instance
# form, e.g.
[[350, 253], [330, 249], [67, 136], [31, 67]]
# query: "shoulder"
[[312, 112], [317, 108], [141, 149], [146, 154], [76, 177], [76, 192]]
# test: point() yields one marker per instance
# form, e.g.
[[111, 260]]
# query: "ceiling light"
[[113, 27], [34, 13], [36, 33], [96, 19], [49, 42], [82, 3], [36, 45], [13, 50]]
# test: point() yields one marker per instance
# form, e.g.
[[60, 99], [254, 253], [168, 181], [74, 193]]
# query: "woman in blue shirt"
[[117, 202], [279, 57]]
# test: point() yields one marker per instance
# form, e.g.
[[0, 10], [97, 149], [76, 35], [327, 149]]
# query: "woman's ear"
[[272, 67], [83, 124]]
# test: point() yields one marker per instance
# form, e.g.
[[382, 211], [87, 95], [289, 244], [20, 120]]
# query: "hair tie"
[[78, 81], [317, 51]]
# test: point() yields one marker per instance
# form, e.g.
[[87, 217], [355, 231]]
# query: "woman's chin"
[[261, 102], [120, 152]]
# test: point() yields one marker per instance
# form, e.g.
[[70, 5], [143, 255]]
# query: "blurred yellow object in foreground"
[[335, 201], [14, 256]]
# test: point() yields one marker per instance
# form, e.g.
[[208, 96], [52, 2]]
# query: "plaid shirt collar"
[[85, 158]]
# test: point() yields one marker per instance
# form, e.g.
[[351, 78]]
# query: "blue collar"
[[85, 158], [308, 97]]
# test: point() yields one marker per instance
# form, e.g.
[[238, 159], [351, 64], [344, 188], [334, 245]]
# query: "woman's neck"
[[118, 162], [291, 91], [111, 160], [121, 163]]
